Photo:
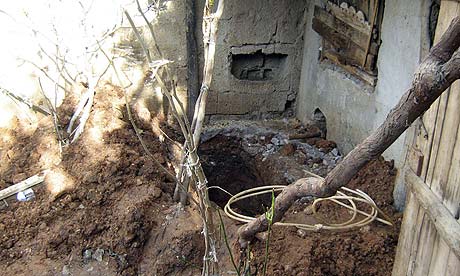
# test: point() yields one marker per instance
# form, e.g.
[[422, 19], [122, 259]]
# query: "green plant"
[[224, 233], [269, 215]]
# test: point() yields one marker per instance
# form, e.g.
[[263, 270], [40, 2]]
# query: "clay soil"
[[369, 250], [106, 209]]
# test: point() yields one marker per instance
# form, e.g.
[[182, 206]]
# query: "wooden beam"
[[445, 223], [23, 185], [342, 42], [355, 71], [360, 38], [349, 16]]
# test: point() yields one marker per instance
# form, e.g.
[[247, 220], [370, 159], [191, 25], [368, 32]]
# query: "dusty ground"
[[106, 209], [368, 250]]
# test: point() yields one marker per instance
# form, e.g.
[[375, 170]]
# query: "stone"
[[98, 254], [66, 271], [335, 152], [301, 233], [87, 254], [325, 145], [288, 269], [308, 210], [287, 150]]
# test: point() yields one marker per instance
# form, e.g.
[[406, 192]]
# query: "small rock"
[[287, 150], [65, 271], [365, 229], [275, 141], [98, 254], [121, 260], [335, 152], [159, 158], [301, 233], [308, 210], [87, 254], [288, 269], [42, 226], [325, 145]]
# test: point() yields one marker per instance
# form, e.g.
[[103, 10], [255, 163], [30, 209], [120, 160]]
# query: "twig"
[[130, 118], [55, 117], [25, 101]]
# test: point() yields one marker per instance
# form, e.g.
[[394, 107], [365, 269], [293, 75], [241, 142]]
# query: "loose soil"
[[106, 209]]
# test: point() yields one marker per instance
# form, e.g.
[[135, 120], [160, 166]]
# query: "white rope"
[[357, 196]]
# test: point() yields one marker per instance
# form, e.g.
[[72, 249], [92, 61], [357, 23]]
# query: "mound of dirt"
[[368, 250], [105, 208], [99, 203]]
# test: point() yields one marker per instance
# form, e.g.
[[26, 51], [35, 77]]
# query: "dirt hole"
[[228, 166]]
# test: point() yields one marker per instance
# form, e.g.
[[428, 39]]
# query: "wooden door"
[[429, 242]]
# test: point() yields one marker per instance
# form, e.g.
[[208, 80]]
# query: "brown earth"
[[106, 209], [369, 250]]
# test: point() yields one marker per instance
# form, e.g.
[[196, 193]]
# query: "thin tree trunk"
[[192, 58], [434, 75]]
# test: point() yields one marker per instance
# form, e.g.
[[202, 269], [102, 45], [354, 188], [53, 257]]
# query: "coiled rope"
[[353, 197]]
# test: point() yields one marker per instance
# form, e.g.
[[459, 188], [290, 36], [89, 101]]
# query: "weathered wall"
[[170, 39], [352, 108], [29, 56], [258, 59]]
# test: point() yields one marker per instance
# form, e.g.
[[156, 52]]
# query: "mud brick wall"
[[258, 59]]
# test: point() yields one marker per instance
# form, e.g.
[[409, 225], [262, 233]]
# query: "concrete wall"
[[352, 108], [262, 41]]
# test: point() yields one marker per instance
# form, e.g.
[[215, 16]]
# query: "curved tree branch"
[[434, 75]]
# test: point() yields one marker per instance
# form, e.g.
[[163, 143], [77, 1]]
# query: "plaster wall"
[[352, 108], [263, 36]]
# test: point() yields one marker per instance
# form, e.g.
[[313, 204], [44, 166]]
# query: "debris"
[[87, 254], [23, 185], [301, 233], [287, 149], [65, 271], [335, 152], [25, 195], [98, 254], [275, 141]]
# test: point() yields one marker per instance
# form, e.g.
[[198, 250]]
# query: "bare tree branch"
[[434, 75]]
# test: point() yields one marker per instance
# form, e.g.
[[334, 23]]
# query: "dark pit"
[[228, 166]]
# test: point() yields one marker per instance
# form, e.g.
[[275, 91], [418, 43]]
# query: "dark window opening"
[[257, 66]]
